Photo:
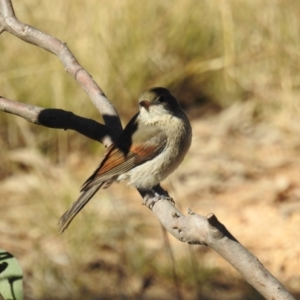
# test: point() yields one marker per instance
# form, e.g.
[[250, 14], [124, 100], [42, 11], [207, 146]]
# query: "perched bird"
[[150, 148]]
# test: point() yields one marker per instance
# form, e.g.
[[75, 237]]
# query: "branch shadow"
[[61, 119]]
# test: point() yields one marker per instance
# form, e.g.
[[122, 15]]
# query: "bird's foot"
[[153, 195], [150, 199]]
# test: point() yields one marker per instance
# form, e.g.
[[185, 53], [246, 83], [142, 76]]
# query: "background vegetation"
[[234, 65]]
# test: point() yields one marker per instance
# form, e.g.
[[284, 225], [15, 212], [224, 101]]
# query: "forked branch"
[[29, 34]]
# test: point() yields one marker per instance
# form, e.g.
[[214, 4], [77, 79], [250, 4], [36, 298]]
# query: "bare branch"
[[58, 118], [29, 34], [7, 9], [196, 229], [26, 111]]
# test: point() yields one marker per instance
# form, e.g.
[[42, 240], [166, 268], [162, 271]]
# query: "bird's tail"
[[77, 206]]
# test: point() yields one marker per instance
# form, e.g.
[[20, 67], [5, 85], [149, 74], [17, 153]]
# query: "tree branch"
[[196, 229], [59, 119], [29, 34], [192, 228]]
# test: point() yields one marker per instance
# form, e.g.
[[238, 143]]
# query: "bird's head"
[[158, 100]]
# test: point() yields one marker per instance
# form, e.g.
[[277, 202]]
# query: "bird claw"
[[150, 201]]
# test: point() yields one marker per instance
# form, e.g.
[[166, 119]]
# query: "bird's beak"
[[146, 104]]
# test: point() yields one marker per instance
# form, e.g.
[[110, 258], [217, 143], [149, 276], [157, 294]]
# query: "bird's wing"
[[119, 158], [123, 156]]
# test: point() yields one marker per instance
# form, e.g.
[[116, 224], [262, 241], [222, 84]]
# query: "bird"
[[149, 149]]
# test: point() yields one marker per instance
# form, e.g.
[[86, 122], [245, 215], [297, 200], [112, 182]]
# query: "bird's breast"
[[152, 172]]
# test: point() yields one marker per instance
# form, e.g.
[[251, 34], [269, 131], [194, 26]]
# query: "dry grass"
[[237, 58]]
